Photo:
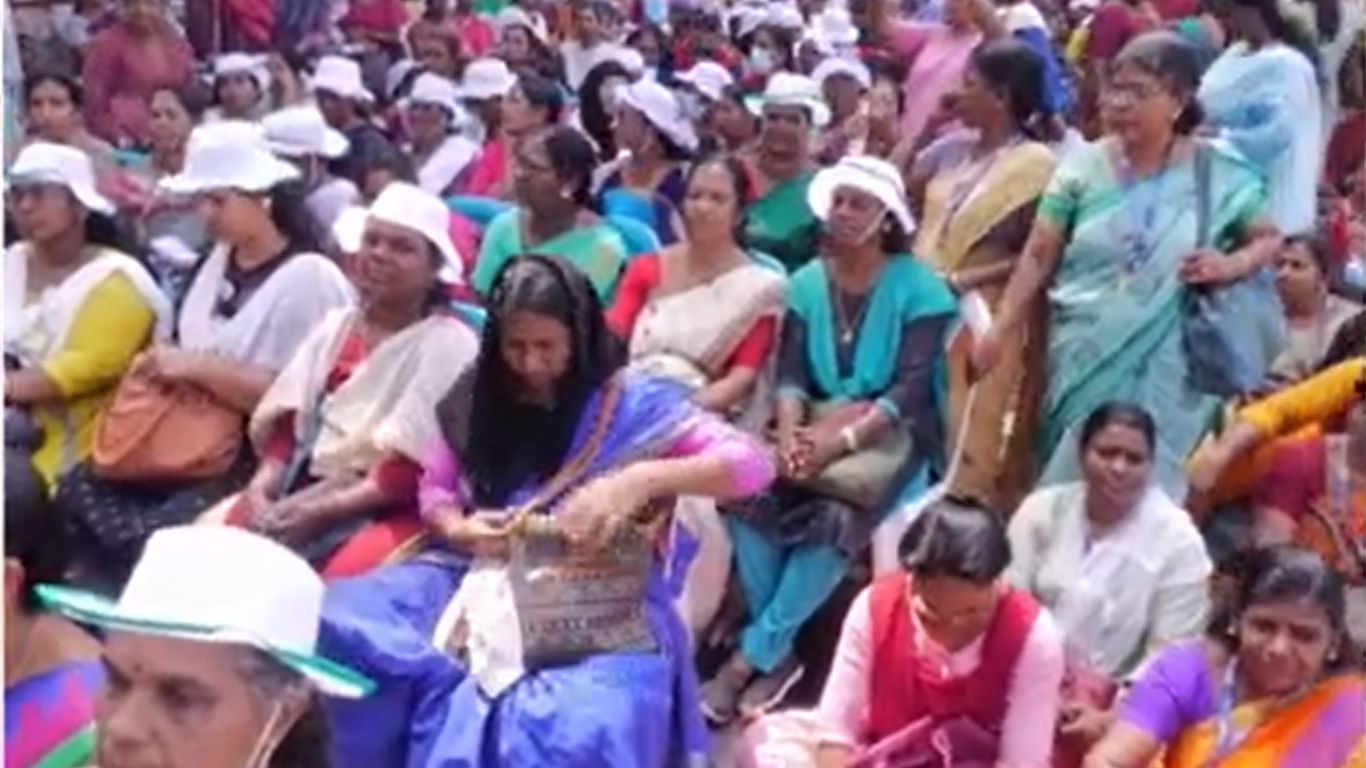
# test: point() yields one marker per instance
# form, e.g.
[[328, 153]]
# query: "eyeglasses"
[[1129, 94]]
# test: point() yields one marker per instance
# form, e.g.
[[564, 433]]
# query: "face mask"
[[761, 61]]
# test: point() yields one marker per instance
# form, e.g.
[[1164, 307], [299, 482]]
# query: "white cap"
[[238, 63], [784, 16], [436, 91], [302, 132], [878, 178], [485, 79], [834, 31], [836, 65], [709, 79], [512, 16], [398, 71], [661, 109], [407, 205], [785, 89], [220, 584], [628, 57], [228, 155], [340, 76], [43, 162]]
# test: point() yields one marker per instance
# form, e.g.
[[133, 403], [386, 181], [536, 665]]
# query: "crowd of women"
[[681, 384]]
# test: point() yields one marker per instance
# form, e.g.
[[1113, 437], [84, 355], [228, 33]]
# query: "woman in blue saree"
[[1115, 245], [547, 418], [861, 359]]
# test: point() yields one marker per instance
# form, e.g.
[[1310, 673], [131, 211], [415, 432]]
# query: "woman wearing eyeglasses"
[[1115, 247]]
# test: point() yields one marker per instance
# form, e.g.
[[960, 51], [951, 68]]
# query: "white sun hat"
[[408, 205], [785, 89], [302, 132], [437, 91], [238, 63], [661, 109], [839, 65], [228, 155], [784, 16], [220, 584], [512, 16], [44, 162], [397, 73], [485, 79], [348, 229], [340, 76], [834, 31], [709, 79], [878, 178]]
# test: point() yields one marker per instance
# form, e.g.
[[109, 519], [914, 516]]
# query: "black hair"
[[1282, 29], [34, 531], [593, 114], [482, 419], [193, 97], [958, 539], [110, 232], [384, 156], [218, 86], [543, 93], [1284, 573], [895, 238], [71, 85], [308, 742], [290, 214], [784, 40], [1319, 251], [1014, 72], [741, 184], [573, 160], [1119, 413], [1327, 19], [893, 70], [1176, 62], [1349, 342]]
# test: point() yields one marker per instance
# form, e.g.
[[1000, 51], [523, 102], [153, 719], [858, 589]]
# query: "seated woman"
[[856, 417], [704, 313], [342, 430], [1315, 494], [52, 668], [241, 84], [780, 222], [247, 310], [608, 443], [554, 170], [77, 311], [440, 153], [1275, 682], [532, 105], [1304, 274], [656, 139], [945, 644], [1122, 567], [54, 104]]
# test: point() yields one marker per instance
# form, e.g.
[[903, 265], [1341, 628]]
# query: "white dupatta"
[[445, 164]]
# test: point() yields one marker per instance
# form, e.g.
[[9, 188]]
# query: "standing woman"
[[247, 310], [857, 416], [979, 188], [1115, 246], [125, 63], [704, 312], [780, 223], [1262, 95], [77, 310], [554, 172], [440, 153], [656, 140]]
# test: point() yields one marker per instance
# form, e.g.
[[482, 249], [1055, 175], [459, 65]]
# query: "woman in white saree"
[[248, 308], [706, 313], [343, 430]]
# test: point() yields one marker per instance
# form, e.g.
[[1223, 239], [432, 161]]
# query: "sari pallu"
[[434, 712], [781, 223], [50, 717], [1114, 324]]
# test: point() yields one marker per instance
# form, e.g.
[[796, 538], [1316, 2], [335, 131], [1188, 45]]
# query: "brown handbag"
[[155, 431]]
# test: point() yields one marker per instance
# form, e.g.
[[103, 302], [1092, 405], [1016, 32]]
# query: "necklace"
[[847, 324]]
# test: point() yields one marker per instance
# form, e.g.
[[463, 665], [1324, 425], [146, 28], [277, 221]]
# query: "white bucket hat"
[[784, 16], [834, 31], [486, 79], [838, 65], [398, 72], [302, 132], [228, 155], [243, 64], [410, 206], [785, 89], [512, 16], [878, 178], [661, 109], [219, 584], [709, 79], [43, 162], [437, 91], [341, 76]]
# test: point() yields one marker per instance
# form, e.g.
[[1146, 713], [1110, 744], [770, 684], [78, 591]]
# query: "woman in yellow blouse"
[[76, 311]]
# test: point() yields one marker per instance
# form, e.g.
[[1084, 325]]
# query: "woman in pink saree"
[[128, 62]]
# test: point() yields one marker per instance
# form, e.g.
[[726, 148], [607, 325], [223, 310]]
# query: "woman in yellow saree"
[[1276, 682]]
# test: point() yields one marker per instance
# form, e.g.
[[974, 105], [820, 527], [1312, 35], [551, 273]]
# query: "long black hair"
[[1175, 61], [1014, 72], [959, 539], [573, 160], [593, 114], [34, 532], [290, 214], [482, 418]]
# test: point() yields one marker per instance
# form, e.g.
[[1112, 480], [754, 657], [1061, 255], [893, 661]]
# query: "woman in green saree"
[[554, 172], [860, 365], [780, 222], [1115, 245]]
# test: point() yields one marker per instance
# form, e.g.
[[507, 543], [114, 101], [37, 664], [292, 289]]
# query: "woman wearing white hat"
[[780, 222], [524, 43], [345, 103], [655, 139], [482, 88], [241, 83], [247, 310], [300, 136], [345, 497], [845, 83], [210, 656], [857, 418], [77, 310], [433, 115], [533, 105]]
